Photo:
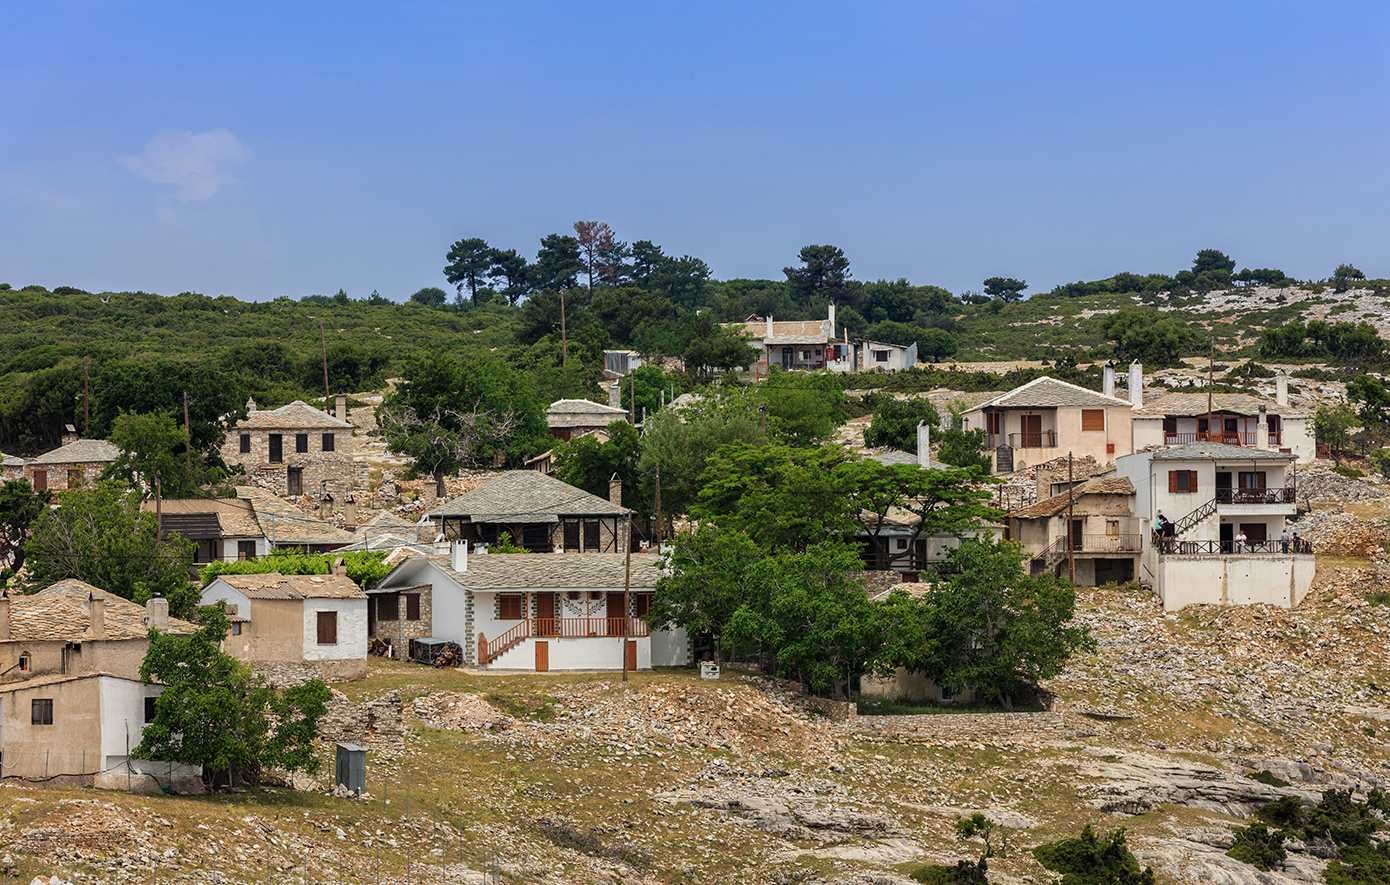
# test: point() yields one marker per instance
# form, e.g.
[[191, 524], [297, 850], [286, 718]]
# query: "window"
[[1182, 481], [24, 663], [328, 442], [75, 478], [1252, 480], [591, 534], [412, 606], [236, 628], [301, 443], [328, 628], [881, 356], [41, 711], [294, 480], [1092, 419], [993, 424], [1112, 528], [245, 550], [40, 480], [149, 710], [388, 607], [245, 443], [641, 605], [277, 448], [509, 606], [571, 536]]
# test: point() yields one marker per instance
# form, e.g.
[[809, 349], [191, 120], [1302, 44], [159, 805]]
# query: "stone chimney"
[[1107, 378], [70, 435], [923, 444], [350, 513], [340, 568], [1136, 385], [458, 556], [615, 394], [441, 544], [1262, 430], [326, 505], [4, 615], [157, 613], [97, 602], [1281, 389], [250, 405], [615, 490], [341, 408], [769, 325], [832, 320]]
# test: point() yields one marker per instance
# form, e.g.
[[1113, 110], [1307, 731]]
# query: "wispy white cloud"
[[197, 163]]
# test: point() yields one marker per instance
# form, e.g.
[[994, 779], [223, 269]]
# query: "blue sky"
[[260, 149]]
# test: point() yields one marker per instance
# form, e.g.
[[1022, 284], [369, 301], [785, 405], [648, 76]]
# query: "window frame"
[[388, 607], [275, 448], [245, 444], [327, 624], [1094, 415], [41, 711], [511, 606], [412, 606], [328, 443], [301, 443]]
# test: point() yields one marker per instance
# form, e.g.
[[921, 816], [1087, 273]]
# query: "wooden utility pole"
[[658, 507], [86, 400], [564, 341], [158, 512], [1071, 523], [632, 398], [188, 432], [1211, 375], [323, 345], [627, 591]]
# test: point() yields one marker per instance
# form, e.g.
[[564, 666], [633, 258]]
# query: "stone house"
[[1047, 418], [397, 615], [225, 529], [291, 624], [1228, 505], [287, 527], [1091, 525], [298, 450], [518, 611], [568, 418], [1234, 419], [540, 513], [74, 465], [71, 700], [11, 467]]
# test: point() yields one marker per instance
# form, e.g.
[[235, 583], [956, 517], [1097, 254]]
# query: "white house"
[[562, 611], [788, 345], [315, 624], [1229, 418], [1213, 494], [878, 355]]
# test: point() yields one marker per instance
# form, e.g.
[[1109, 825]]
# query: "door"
[[1223, 488], [1170, 431], [1231, 432], [1031, 427], [631, 654], [545, 615], [1254, 533], [276, 448], [615, 614], [1228, 537], [542, 656], [1075, 533], [294, 480], [786, 357]]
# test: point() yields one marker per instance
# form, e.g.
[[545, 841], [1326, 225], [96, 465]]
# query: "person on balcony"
[[1240, 541], [1284, 540]]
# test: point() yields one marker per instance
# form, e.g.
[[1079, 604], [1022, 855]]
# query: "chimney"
[[350, 513], [97, 603], [340, 568], [832, 319], [70, 435], [441, 544], [615, 490], [250, 405], [4, 615], [769, 326], [615, 394], [341, 413], [1136, 385], [923, 444], [1281, 389], [326, 505], [1107, 375], [157, 613], [458, 556], [1262, 430]]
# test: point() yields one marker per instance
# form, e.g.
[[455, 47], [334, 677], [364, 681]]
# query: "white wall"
[[1270, 579], [595, 653], [220, 591], [352, 630], [122, 715], [670, 648]]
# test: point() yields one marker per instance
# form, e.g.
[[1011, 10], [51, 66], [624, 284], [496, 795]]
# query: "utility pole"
[[1211, 374], [188, 431], [323, 345], [564, 341], [158, 512], [1071, 523], [632, 398], [86, 400], [627, 591], [658, 507]]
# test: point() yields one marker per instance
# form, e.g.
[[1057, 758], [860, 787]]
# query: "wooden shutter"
[[1173, 481], [1192, 481], [388, 607], [412, 606], [40, 480], [328, 442], [1092, 419], [301, 442], [509, 607], [328, 628], [41, 711]]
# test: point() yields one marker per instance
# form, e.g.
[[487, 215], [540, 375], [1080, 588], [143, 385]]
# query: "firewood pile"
[[448, 655], [379, 647]]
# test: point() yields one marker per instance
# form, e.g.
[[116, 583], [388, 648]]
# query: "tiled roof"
[[284, 523], [1190, 404], [388, 541], [274, 585], [386, 521], [82, 451], [553, 571], [1214, 451], [1049, 393], [10, 460], [297, 414], [525, 496], [1101, 485], [62, 611], [895, 456], [234, 517], [583, 407]]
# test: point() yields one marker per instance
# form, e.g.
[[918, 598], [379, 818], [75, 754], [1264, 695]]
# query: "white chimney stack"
[[1107, 375], [1136, 385], [832, 320], [97, 601], [441, 543], [769, 326], [4, 615], [923, 444], [157, 613], [1281, 389], [1262, 431], [341, 413], [458, 556]]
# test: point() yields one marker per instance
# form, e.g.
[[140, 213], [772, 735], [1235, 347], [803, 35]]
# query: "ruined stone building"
[[76, 464]]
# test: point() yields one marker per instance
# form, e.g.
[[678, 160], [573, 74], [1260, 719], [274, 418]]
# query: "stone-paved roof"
[[274, 585], [896, 456], [234, 517], [1101, 485], [283, 523], [553, 571], [386, 521], [1049, 393], [62, 611], [582, 413], [82, 451], [1214, 451], [525, 496], [388, 541], [10, 460], [1190, 404], [297, 415]]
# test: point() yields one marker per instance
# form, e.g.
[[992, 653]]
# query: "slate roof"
[[211, 517], [62, 611], [10, 460], [284, 523], [896, 456], [1192, 404], [1049, 393], [552, 571], [582, 413], [1214, 451], [274, 585], [525, 496], [297, 414], [82, 451], [389, 541], [1101, 485]]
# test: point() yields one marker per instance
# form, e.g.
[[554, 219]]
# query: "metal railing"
[[1085, 543], [1229, 437], [1043, 439], [557, 628], [1174, 547], [1255, 496]]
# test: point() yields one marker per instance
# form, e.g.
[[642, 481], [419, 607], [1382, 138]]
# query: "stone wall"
[[283, 674], [400, 631], [375, 725], [982, 728], [57, 475], [339, 469]]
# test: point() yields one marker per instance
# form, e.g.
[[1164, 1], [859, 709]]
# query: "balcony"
[[1228, 437], [1256, 496], [1085, 545], [1174, 547], [1043, 439]]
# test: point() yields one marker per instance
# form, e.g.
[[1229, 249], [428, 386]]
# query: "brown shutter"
[[412, 606], [1092, 419], [1173, 481], [388, 607], [1192, 481], [328, 628]]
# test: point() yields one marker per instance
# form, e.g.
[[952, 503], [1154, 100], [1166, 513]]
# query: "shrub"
[[963, 873], [1267, 778], [1348, 472], [1259, 847], [1087, 860]]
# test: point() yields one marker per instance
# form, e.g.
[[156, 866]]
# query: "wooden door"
[[545, 615], [631, 654], [1254, 533], [542, 656], [615, 614], [1031, 427], [1074, 532]]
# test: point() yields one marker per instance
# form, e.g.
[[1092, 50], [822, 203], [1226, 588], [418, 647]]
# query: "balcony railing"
[[1256, 496], [1043, 439], [1229, 437], [1174, 547], [558, 628], [1084, 544]]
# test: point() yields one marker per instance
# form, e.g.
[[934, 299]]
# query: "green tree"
[[1005, 288], [588, 464], [803, 409], [509, 274], [154, 446], [1143, 336], [1211, 269], [1086, 860], [937, 344], [721, 350], [707, 579], [20, 508], [430, 296], [994, 628], [822, 277], [622, 310], [103, 537], [963, 448], [469, 263], [680, 443], [557, 264], [1332, 426], [779, 496], [1343, 275], [362, 567], [215, 713], [449, 414], [596, 240], [1372, 400], [214, 399], [895, 423]]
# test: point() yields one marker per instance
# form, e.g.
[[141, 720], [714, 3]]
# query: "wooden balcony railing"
[[1229, 437], [557, 628]]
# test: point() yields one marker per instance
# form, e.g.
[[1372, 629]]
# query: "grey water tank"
[[352, 768]]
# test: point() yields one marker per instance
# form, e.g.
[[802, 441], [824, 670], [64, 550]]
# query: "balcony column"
[[1262, 431]]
